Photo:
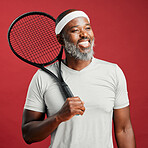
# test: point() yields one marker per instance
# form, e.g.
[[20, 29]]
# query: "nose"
[[83, 34]]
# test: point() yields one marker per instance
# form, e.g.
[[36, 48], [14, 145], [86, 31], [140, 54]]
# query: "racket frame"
[[60, 80], [8, 37]]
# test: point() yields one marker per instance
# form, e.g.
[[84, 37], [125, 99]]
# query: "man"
[[100, 94]]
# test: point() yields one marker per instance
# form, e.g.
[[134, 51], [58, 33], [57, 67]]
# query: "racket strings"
[[19, 39], [34, 39]]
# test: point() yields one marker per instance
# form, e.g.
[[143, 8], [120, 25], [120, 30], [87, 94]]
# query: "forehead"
[[79, 21]]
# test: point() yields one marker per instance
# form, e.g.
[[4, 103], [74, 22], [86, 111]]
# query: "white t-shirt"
[[102, 87]]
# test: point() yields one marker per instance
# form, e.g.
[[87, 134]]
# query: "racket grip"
[[67, 90]]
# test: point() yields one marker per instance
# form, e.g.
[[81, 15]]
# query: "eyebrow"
[[78, 25]]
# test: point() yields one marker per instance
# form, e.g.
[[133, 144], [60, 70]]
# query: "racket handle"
[[67, 90]]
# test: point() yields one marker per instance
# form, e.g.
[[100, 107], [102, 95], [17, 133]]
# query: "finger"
[[77, 105], [83, 108], [74, 99], [78, 112]]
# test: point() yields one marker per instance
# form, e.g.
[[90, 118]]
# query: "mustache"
[[74, 51], [84, 38]]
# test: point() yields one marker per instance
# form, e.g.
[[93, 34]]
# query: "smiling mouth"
[[84, 44]]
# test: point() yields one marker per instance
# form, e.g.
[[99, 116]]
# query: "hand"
[[72, 106]]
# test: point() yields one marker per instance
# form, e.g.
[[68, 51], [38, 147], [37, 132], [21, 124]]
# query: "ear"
[[60, 39]]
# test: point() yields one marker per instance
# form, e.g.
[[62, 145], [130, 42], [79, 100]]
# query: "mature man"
[[100, 94]]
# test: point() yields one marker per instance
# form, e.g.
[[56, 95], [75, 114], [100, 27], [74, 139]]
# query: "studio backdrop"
[[120, 28]]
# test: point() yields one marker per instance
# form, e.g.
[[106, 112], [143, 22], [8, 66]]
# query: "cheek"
[[73, 39], [92, 35]]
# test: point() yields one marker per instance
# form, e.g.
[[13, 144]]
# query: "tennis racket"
[[32, 39]]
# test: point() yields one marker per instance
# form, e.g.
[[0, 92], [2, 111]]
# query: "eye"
[[74, 30], [88, 28]]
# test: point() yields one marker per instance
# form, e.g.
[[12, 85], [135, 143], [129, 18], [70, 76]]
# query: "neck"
[[76, 64]]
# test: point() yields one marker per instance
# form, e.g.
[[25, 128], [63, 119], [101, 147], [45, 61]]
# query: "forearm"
[[35, 131], [125, 138], [35, 128]]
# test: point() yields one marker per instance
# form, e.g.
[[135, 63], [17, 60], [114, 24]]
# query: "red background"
[[121, 29]]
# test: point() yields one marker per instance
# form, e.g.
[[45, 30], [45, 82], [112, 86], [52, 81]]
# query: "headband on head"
[[68, 18]]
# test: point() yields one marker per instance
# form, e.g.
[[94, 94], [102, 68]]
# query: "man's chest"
[[95, 91]]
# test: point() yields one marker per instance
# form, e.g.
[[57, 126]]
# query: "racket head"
[[32, 38]]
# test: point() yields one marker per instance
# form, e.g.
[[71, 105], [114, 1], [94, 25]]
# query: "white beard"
[[73, 51]]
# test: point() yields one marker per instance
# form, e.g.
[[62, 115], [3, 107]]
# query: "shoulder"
[[108, 69], [43, 77], [53, 68], [105, 65], [111, 69]]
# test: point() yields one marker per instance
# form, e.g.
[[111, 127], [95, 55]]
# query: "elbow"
[[127, 131], [27, 140], [26, 136]]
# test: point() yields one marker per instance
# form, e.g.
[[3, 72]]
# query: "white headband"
[[68, 18]]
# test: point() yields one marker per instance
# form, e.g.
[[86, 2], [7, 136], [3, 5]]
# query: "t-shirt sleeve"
[[34, 99], [121, 99]]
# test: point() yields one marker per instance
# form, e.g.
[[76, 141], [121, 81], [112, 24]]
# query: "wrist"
[[58, 119]]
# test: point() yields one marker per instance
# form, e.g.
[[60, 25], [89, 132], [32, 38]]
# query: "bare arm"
[[123, 129], [35, 128]]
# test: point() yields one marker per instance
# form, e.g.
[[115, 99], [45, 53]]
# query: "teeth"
[[84, 43]]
